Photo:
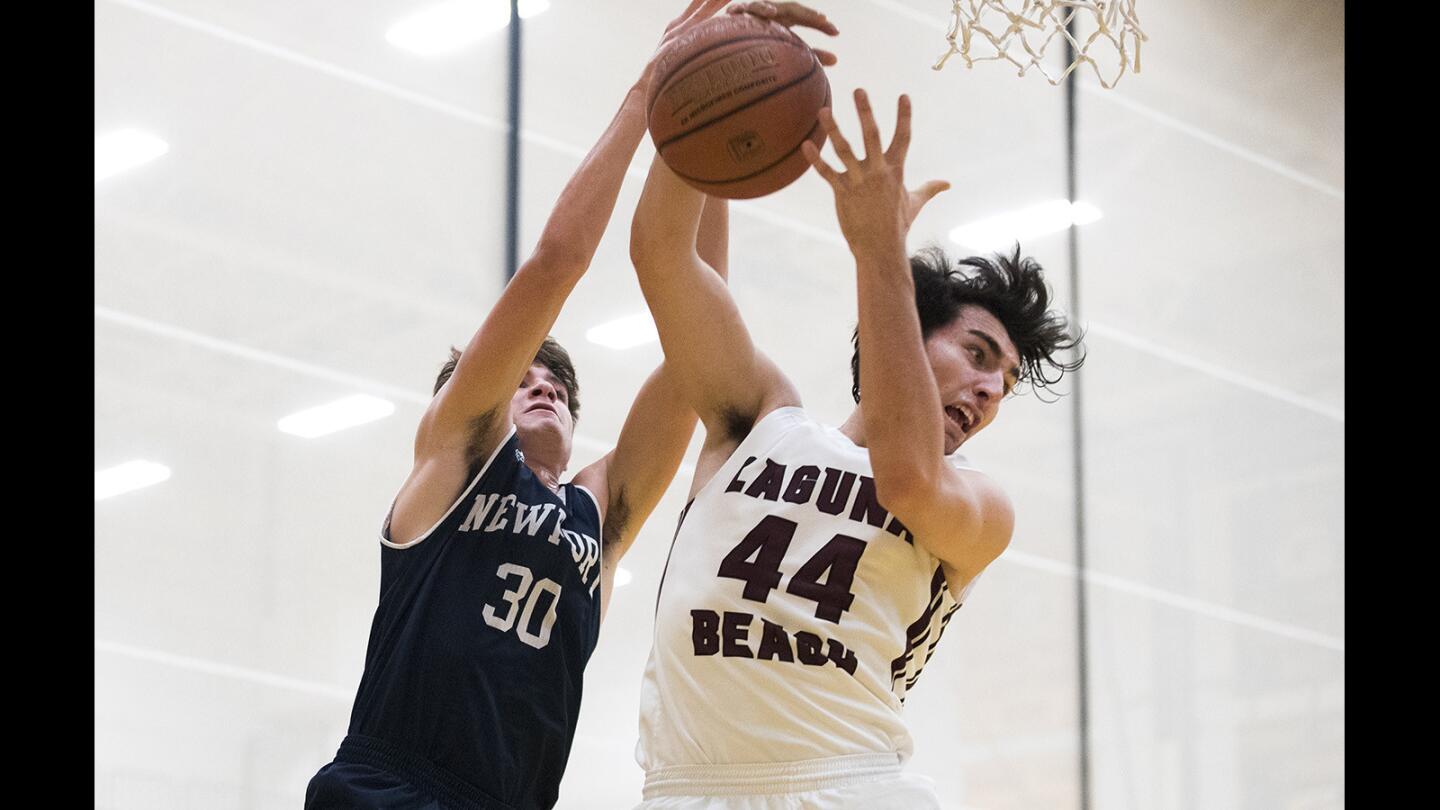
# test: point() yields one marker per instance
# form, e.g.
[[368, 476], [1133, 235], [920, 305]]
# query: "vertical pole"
[[1077, 431], [512, 169]]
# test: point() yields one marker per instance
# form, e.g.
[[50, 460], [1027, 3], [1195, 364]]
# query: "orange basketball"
[[730, 103]]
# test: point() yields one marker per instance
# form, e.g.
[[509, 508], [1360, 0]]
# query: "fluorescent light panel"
[[127, 477], [624, 333], [1002, 231], [450, 26], [337, 415], [117, 151]]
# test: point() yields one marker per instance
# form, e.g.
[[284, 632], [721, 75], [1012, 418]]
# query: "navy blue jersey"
[[483, 630]]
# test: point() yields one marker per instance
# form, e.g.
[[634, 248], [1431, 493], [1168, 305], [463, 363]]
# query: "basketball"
[[730, 103]]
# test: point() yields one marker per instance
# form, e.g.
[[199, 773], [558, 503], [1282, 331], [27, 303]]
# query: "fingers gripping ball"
[[730, 103]]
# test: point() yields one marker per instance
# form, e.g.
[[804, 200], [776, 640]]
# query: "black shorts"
[[370, 774]]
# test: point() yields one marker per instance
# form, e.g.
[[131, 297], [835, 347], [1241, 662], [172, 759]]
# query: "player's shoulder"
[[985, 488], [779, 423], [774, 392], [969, 525], [437, 483], [785, 415], [969, 508], [993, 506]]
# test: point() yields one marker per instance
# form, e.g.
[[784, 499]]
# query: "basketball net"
[[1020, 31]]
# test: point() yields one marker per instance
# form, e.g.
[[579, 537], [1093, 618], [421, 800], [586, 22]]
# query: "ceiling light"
[[622, 577], [118, 151], [624, 333], [452, 25], [337, 415], [131, 475], [1004, 230]]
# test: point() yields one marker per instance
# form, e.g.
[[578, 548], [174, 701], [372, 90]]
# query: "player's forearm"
[[901, 403], [582, 212], [661, 421], [666, 223], [704, 338], [652, 442], [502, 348], [663, 241], [712, 243]]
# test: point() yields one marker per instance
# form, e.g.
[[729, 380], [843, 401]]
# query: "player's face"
[[542, 405], [975, 365]]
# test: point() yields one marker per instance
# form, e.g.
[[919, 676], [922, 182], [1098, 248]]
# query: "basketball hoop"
[[1020, 31]]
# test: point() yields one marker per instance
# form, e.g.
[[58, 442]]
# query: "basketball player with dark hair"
[[815, 567], [494, 575]]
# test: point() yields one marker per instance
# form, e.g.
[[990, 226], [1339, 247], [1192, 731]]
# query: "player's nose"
[[989, 387]]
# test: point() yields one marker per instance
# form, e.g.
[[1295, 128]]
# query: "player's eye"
[[977, 354]]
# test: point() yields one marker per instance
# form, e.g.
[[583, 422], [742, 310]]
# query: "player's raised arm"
[[959, 516], [727, 381], [497, 356], [657, 429]]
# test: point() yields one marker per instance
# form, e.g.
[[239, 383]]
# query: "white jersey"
[[794, 612]]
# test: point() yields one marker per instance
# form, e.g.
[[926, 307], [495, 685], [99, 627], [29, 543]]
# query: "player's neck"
[[550, 477], [546, 459]]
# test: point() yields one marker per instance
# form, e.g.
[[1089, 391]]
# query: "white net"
[[1107, 36]]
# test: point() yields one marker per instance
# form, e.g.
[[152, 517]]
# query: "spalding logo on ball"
[[730, 103]]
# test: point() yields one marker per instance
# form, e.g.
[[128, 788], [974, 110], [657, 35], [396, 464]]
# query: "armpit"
[[617, 519], [737, 424], [478, 430]]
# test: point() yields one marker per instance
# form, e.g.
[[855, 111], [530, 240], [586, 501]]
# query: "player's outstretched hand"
[[792, 14], [871, 200]]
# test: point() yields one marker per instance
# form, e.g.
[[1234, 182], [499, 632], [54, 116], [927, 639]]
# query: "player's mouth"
[[962, 417], [541, 406]]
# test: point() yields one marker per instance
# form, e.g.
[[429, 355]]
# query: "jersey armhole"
[[599, 518], [484, 468], [600, 530], [587, 491], [964, 595], [794, 414]]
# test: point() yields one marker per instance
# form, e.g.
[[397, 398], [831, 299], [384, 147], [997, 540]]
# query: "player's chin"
[[954, 437], [540, 421]]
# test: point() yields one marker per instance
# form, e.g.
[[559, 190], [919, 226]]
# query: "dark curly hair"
[[1012, 288], [551, 355]]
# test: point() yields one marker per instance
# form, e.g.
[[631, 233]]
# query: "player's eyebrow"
[[1012, 374]]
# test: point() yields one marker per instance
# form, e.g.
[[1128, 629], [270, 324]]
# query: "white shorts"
[[861, 781]]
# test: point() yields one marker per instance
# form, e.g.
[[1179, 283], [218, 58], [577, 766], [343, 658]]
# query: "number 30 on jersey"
[[525, 589]]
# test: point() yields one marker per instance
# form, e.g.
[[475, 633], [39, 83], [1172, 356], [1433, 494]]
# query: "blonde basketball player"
[[816, 566]]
